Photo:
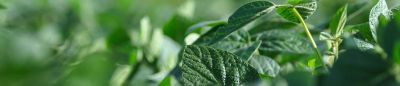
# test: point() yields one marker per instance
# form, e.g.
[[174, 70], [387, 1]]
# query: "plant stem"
[[314, 45]]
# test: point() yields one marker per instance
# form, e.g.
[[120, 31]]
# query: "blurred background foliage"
[[117, 42]]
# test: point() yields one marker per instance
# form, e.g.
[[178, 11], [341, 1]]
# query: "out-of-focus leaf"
[[362, 31], [265, 65], [119, 39], [83, 74], [379, 9], [396, 54], [176, 28], [247, 52], [2, 6], [145, 30], [360, 68], [192, 37], [283, 42], [198, 27], [272, 24], [363, 45], [209, 66], [153, 49], [325, 36], [120, 75], [166, 81], [338, 22], [240, 18], [299, 78], [389, 38], [305, 7]]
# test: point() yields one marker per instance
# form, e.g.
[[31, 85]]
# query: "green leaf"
[[306, 8], [166, 81], [389, 38], [176, 28], [2, 6], [247, 52], [338, 22], [283, 42], [363, 45], [325, 36], [379, 9], [265, 65], [209, 66], [237, 40], [276, 23], [362, 31], [293, 79], [240, 18], [396, 55], [359, 68], [198, 27]]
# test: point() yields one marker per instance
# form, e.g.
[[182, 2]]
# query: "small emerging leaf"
[[338, 22]]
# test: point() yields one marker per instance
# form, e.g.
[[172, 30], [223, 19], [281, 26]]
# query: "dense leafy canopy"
[[200, 43]]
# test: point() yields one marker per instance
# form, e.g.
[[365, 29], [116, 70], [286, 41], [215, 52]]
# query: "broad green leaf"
[[338, 22], [247, 52], [379, 9], [208, 66], [360, 68], [306, 8], [240, 18], [265, 65], [283, 42], [237, 40], [276, 23]]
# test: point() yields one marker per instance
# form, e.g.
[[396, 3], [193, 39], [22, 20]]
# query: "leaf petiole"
[[314, 45]]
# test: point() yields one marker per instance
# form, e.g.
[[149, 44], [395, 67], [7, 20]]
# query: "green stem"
[[314, 45]]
